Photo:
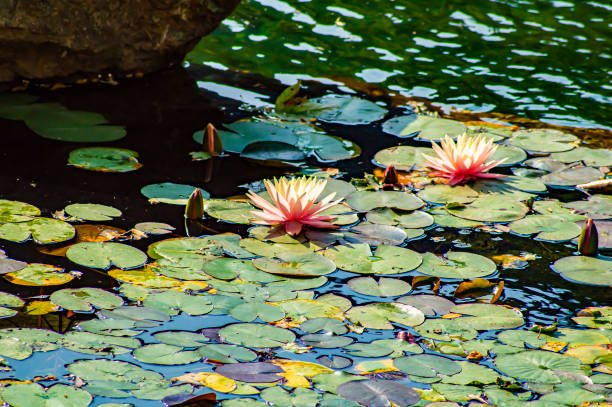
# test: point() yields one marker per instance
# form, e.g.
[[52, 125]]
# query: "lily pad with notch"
[[104, 159], [384, 287], [92, 212], [84, 299], [585, 270], [256, 335], [572, 176], [547, 227], [37, 274], [364, 201], [378, 393], [296, 264], [170, 193], [345, 109], [358, 258], [411, 220], [537, 366], [104, 254], [16, 211], [490, 209], [594, 157], [427, 365], [542, 140], [41, 230], [380, 315], [596, 206], [35, 395], [403, 158], [457, 265], [163, 354]]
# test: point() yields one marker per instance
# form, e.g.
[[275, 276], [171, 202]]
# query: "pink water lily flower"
[[463, 161], [294, 204]]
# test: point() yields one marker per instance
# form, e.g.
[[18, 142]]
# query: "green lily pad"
[[16, 211], [104, 159], [20, 343], [299, 397], [446, 329], [230, 211], [443, 194], [326, 341], [572, 176], [547, 227], [35, 395], [461, 265], [404, 158], [472, 373], [348, 110], [586, 270], [537, 366], [542, 140], [84, 299], [454, 392], [430, 304], [554, 207], [596, 206], [41, 230], [302, 265], [378, 393], [490, 209], [251, 310], [412, 220], [380, 315], [256, 335], [93, 212], [364, 201], [594, 157], [430, 128], [328, 325], [489, 132], [444, 219], [374, 234], [170, 193], [396, 125], [171, 302], [37, 274], [384, 287], [427, 365], [383, 347], [358, 258], [485, 317], [162, 354], [300, 309], [273, 150], [512, 155], [97, 344], [104, 254], [184, 339], [222, 353], [9, 300]]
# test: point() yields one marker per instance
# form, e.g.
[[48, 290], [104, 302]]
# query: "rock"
[[62, 38]]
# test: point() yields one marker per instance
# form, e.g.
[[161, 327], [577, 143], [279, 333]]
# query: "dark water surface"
[[542, 59]]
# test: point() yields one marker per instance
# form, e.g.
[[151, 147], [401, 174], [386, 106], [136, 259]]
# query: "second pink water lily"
[[294, 204], [464, 160]]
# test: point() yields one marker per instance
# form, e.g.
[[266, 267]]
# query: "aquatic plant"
[[463, 161], [195, 205], [588, 240], [294, 204]]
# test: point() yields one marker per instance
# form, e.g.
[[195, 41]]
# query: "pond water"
[[527, 64]]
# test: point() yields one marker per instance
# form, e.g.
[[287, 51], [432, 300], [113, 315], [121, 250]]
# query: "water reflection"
[[537, 58]]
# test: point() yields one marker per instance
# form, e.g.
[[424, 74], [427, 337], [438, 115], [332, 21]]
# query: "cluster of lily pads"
[[267, 323]]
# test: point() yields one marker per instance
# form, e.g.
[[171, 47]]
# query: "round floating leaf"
[[10, 265], [412, 220], [547, 227], [171, 302], [358, 258], [9, 300], [383, 347], [230, 211], [328, 325], [403, 158], [104, 159], [181, 338], [537, 366], [542, 140], [162, 354], [364, 201], [375, 235], [512, 154], [170, 193], [546, 164], [443, 194], [251, 310], [42, 231], [36, 274], [344, 109], [255, 372], [584, 269], [272, 150], [432, 128], [594, 157], [103, 255], [427, 365], [326, 341], [596, 206], [34, 395], [334, 361], [299, 397], [462, 265], [444, 219], [490, 209], [82, 299], [489, 132], [93, 212], [384, 287], [380, 315], [472, 373], [378, 393], [15, 211], [302, 265], [396, 125], [222, 353], [572, 176], [73, 126], [96, 344], [429, 304], [256, 335], [154, 228], [485, 317], [446, 329], [300, 309], [498, 186], [553, 207]]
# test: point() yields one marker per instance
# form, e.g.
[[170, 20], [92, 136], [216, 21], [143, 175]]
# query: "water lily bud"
[[212, 144], [390, 177], [588, 241], [195, 205]]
